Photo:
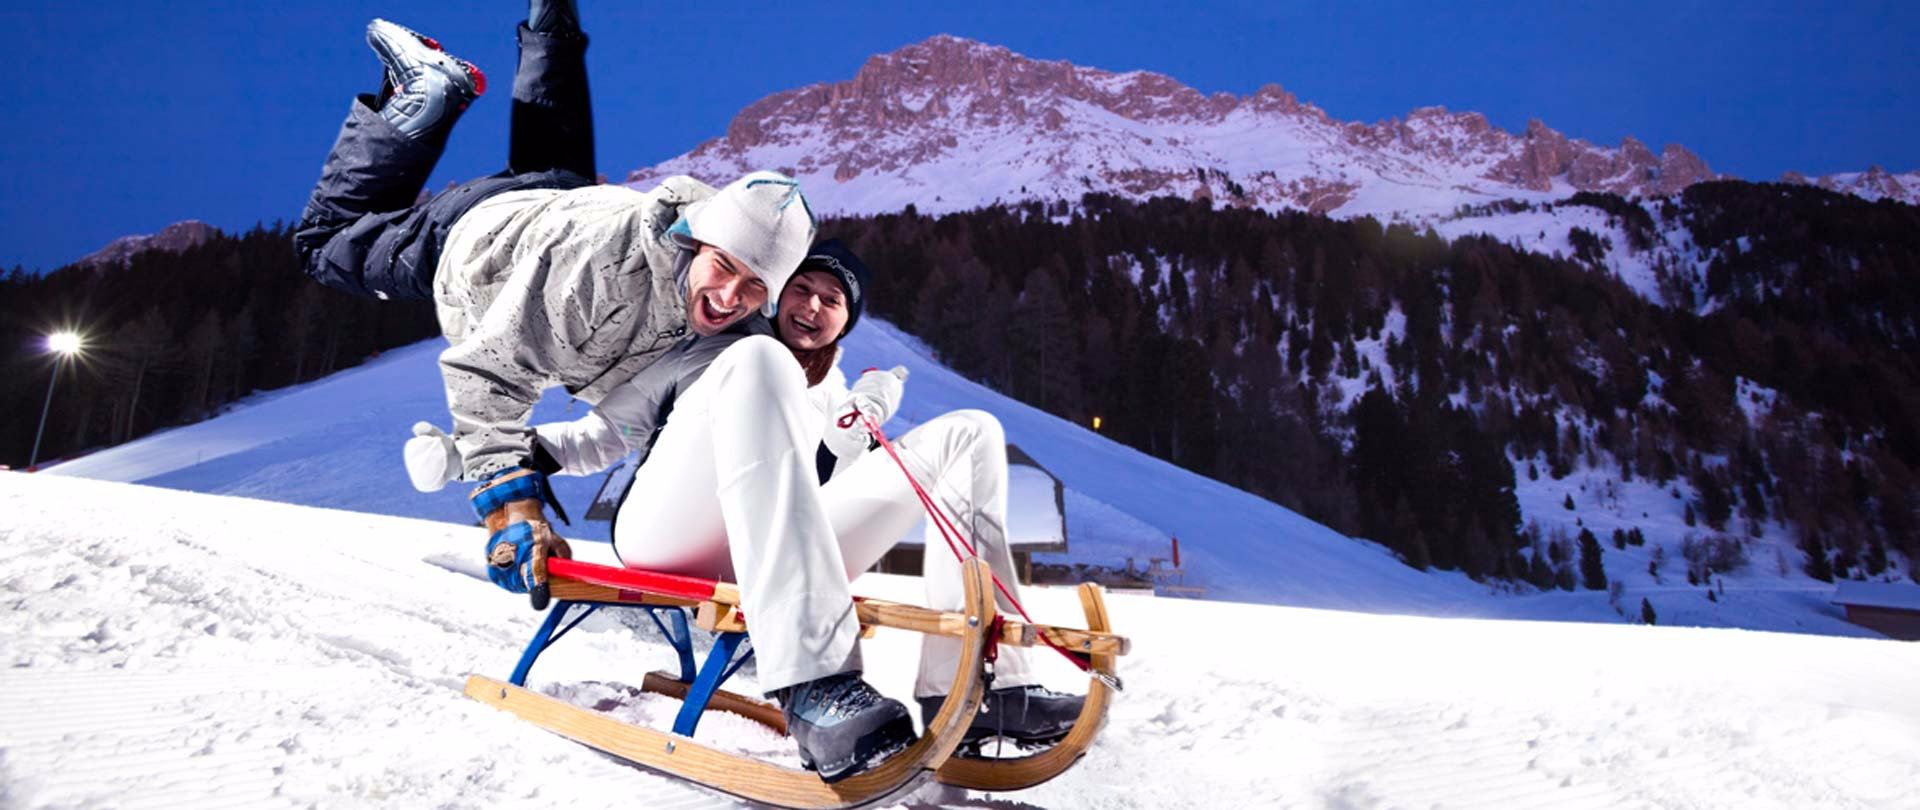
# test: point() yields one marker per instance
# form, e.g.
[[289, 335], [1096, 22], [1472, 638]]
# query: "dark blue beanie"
[[833, 256]]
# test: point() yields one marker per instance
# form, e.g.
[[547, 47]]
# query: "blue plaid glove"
[[512, 545], [517, 552]]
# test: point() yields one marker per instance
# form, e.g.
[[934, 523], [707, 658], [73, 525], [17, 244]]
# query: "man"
[[540, 278]]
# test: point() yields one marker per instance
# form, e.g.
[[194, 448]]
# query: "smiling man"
[[584, 288], [541, 278]]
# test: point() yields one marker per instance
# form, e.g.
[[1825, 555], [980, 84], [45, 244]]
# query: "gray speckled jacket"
[[580, 288]]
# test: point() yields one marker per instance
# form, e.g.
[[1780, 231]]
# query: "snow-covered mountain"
[[951, 124], [174, 238], [1873, 184]]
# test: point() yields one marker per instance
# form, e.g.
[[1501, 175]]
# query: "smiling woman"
[[813, 310], [820, 305]]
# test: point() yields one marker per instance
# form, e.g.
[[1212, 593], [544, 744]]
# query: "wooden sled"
[[715, 607]]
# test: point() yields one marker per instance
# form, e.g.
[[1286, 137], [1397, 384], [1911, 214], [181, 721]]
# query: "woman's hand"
[[877, 396]]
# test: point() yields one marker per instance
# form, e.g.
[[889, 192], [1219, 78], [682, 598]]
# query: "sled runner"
[[716, 607]]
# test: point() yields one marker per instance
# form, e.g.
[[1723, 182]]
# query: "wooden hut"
[[1891, 608]]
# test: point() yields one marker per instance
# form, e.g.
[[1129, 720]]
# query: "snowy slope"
[[336, 443], [170, 649]]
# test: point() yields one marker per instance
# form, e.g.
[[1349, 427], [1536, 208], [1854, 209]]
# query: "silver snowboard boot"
[[426, 87]]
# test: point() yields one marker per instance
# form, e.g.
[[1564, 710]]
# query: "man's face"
[[720, 291], [813, 311]]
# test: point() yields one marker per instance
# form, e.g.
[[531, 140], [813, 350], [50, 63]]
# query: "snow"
[[336, 443], [175, 649], [1755, 400], [289, 647]]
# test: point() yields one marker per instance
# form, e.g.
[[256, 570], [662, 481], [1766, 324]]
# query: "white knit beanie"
[[761, 219]]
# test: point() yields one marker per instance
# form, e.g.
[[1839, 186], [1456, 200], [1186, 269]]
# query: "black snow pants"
[[364, 230]]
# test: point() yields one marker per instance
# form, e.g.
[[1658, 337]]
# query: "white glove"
[[432, 460], [876, 394]]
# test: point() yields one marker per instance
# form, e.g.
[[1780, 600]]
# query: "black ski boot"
[[1025, 714], [843, 726], [553, 17], [426, 87]]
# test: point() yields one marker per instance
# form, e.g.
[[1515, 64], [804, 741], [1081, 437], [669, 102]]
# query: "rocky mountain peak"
[[1876, 183], [174, 238], [952, 123]]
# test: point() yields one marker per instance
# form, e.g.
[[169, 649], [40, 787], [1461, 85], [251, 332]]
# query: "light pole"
[[66, 345]]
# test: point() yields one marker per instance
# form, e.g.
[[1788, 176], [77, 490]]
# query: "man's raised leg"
[[552, 123], [380, 160]]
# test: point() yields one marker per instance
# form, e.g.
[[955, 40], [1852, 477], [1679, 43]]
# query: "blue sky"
[[124, 117]]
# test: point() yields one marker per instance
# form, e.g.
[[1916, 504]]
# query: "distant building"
[[1890, 608], [1036, 515], [1036, 521]]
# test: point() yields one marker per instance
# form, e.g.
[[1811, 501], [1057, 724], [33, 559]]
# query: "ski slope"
[[336, 443], [175, 649]]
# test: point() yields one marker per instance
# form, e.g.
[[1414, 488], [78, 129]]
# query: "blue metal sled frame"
[[731, 650]]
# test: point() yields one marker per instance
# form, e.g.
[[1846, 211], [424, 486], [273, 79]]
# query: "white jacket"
[[579, 288]]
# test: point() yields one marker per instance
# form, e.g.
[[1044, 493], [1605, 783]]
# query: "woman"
[[674, 516]]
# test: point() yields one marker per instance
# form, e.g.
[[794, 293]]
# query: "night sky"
[[125, 117]]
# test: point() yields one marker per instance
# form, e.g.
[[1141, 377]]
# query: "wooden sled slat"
[[759, 711], [717, 607], [759, 781], [1016, 773]]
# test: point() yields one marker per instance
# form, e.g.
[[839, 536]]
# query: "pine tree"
[[1568, 503], [1876, 560], [1715, 504], [1646, 612], [1539, 571], [1818, 566], [1592, 574]]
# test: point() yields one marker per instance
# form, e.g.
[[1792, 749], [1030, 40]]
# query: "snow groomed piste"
[[716, 608]]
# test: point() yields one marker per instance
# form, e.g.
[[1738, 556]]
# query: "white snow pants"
[[730, 492]]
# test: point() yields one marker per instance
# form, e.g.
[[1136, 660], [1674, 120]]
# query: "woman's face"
[[813, 310]]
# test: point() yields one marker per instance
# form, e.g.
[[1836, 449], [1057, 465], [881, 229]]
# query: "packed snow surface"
[[335, 443], [172, 649], [288, 648]]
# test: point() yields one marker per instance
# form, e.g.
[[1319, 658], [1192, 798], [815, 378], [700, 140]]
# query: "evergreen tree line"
[[171, 338], [1239, 344], [1233, 342]]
